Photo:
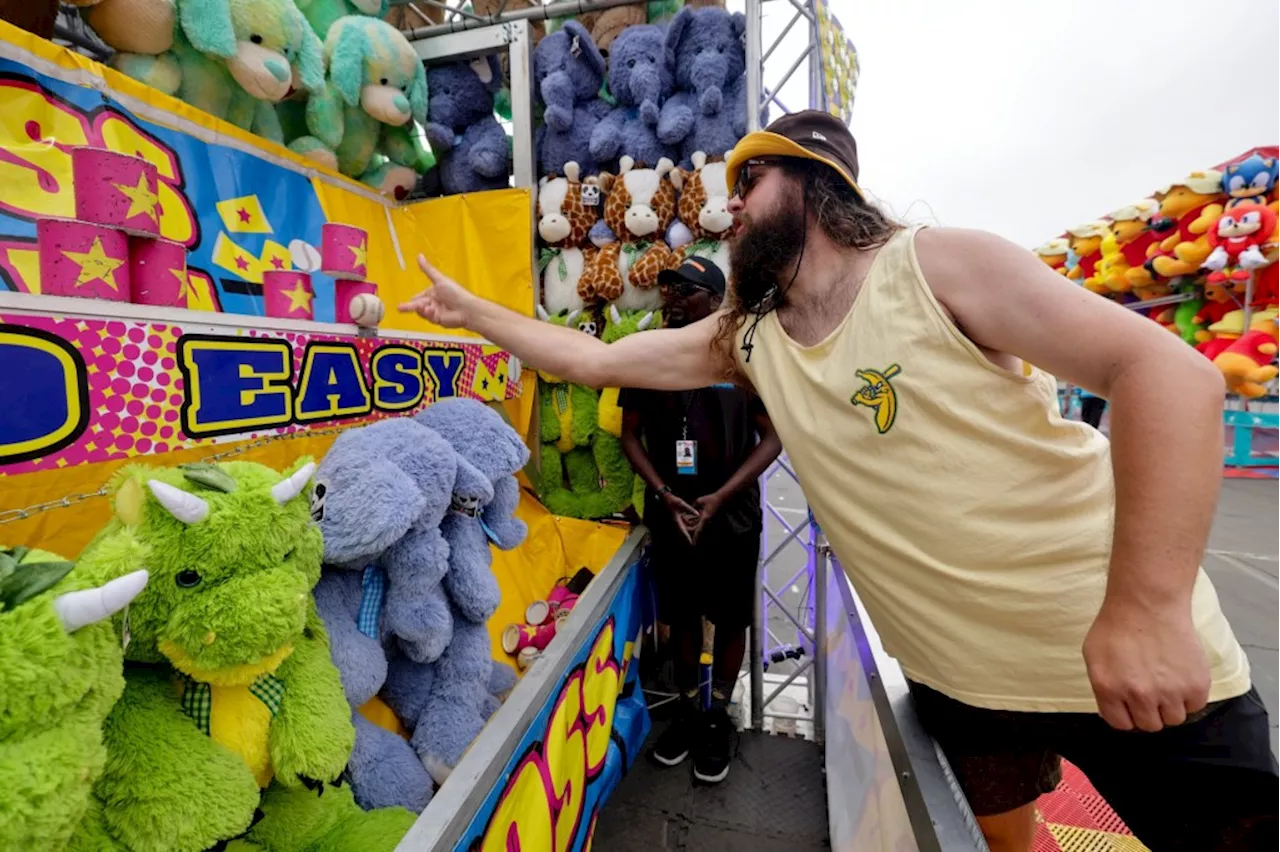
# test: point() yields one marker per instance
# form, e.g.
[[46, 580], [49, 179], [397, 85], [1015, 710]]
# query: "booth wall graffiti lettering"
[[82, 390], [577, 749]]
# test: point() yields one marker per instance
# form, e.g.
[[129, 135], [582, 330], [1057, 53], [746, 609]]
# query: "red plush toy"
[[1237, 239], [1246, 362]]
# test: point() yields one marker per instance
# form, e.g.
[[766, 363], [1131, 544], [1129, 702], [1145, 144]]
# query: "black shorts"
[[1208, 784], [716, 579]]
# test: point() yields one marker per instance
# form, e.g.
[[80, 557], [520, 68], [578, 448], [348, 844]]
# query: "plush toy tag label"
[[687, 458], [590, 195], [125, 634], [575, 47]]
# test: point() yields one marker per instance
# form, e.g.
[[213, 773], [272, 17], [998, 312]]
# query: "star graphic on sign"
[[243, 214], [299, 298], [95, 265], [141, 198], [361, 252], [241, 263], [184, 283], [277, 262]]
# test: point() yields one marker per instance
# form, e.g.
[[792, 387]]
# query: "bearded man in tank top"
[[1042, 593]]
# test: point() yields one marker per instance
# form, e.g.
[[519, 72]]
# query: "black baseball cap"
[[808, 135], [699, 272]]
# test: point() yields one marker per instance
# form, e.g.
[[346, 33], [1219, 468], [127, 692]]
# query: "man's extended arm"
[[1144, 658], [662, 359]]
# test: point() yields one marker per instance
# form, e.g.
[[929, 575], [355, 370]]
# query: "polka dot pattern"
[[136, 391]]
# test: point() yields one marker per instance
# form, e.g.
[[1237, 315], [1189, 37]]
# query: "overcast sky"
[[1026, 118]]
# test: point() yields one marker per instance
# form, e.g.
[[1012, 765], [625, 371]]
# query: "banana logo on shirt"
[[878, 395]]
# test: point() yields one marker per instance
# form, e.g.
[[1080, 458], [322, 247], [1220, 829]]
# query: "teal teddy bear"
[[235, 59], [323, 13], [362, 121]]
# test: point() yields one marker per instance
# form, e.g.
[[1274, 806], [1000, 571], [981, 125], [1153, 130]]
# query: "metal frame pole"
[[821, 565], [755, 66], [538, 12]]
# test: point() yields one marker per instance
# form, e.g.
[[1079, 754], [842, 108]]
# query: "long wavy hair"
[[840, 213]]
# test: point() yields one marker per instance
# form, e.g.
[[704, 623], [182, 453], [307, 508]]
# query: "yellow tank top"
[[974, 521]]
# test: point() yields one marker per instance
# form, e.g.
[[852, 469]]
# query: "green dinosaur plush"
[[620, 484], [60, 673], [567, 468], [233, 725]]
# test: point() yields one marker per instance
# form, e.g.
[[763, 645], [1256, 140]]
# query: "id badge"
[[687, 457]]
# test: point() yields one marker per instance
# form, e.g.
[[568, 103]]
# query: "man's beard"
[[765, 250]]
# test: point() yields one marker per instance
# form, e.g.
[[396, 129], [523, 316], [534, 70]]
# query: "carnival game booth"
[[219, 447], [195, 352], [1199, 257]]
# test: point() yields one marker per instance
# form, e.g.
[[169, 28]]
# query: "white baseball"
[[304, 255], [366, 309]]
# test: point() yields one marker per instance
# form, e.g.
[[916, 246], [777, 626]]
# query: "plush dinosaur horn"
[[614, 316], [286, 489], [573, 315], [542, 313], [88, 606], [183, 505], [645, 321]]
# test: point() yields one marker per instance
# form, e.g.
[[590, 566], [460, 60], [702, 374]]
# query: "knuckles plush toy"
[[1237, 239]]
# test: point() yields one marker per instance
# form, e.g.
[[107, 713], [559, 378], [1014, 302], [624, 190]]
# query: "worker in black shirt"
[[701, 453]]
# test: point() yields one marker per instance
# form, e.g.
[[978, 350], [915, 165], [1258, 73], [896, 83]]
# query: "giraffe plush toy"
[[568, 207], [704, 210], [639, 206]]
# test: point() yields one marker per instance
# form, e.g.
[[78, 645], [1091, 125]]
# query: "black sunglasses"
[[749, 174], [684, 289]]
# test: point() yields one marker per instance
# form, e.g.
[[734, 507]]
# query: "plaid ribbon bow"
[[197, 698]]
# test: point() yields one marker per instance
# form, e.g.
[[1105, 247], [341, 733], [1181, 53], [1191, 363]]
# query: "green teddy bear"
[[362, 122], [233, 727], [60, 674], [235, 59]]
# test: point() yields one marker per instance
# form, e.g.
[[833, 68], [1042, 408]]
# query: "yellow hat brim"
[[763, 143]]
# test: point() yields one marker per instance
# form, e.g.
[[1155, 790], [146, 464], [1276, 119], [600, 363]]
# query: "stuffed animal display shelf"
[[1211, 238]]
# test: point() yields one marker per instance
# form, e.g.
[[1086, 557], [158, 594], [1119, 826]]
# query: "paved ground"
[[1242, 560]]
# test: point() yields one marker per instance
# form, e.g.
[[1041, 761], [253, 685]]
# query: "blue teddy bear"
[[708, 113], [472, 151], [380, 494], [641, 78], [568, 72]]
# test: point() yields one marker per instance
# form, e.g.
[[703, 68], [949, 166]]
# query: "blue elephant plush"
[[641, 78], [483, 507], [446, 703], [380, 494], [568, 72], [471, 148], [708, 112]]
